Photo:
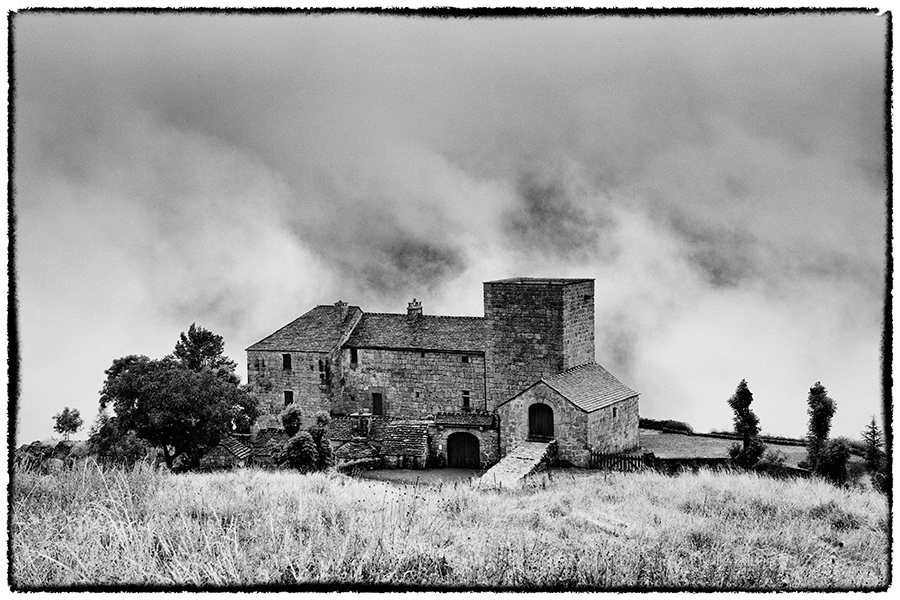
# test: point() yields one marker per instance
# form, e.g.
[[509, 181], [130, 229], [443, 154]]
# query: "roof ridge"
[[383, 314]]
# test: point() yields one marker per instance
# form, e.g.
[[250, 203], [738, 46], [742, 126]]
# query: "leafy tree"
[[68, 421], [821, 409], [746, 424], [174, 407], [202, 349], [112, 445], [872, 438]]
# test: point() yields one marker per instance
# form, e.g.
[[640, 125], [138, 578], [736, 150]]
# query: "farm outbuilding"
[[585, 408]]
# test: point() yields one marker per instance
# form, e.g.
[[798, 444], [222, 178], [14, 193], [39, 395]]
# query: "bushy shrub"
[[292, 419], [300, 452], [746, 457], [771, 462], [665, 424], [833, 458], [319, 433]]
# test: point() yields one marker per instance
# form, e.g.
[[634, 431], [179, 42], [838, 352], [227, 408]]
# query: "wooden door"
[[540, 421], [463, 451]]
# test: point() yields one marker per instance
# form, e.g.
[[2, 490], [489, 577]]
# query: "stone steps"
[[524, 460]]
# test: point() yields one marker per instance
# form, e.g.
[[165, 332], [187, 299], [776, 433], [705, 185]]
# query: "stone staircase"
[[513, 468]]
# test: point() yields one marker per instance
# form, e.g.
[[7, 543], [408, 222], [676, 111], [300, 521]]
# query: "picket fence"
[[616, 462]]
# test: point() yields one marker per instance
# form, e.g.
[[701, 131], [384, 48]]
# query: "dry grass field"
[[145, 527]]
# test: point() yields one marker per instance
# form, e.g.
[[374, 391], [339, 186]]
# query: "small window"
[[286, 362], [288, 397], [422, 354], [465, 358], [465, 400], [354, 357], [417, 394], [615, 412]]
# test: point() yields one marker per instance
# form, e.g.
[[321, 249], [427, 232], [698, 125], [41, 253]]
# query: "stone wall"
[[578, 324], [524, 343], [488, 444], [312, 387], [535, 330], [570, 424], [619, 433], [412, 383]]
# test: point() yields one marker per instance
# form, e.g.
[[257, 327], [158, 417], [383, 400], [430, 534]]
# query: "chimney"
[[414, 310], [343, 308]]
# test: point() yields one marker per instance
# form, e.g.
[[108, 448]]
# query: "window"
[[286, 362], [465, 358], [288, 397], [377, 404], [465, 400], [422, 354], [417, 394], [615, 411], [354, 357]]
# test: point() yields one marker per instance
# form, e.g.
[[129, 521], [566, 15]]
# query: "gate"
[[540, 422], [463, 451]]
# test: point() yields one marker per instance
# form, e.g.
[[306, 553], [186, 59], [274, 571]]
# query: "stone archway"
[[540, 421], [463, 451]]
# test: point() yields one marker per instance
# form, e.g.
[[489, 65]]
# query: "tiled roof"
[[319, 330], [425, 332], [341, 429], [405, 438], [236, 448], [590, 387], [464, 419]]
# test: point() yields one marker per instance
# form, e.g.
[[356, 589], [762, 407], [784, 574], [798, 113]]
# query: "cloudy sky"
[[722, 179]]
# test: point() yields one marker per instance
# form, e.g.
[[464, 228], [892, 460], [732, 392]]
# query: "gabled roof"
[[425, 332], [589, 387], [319, 330]]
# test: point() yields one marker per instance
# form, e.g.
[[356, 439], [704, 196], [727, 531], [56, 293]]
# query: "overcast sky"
[[722, 179]]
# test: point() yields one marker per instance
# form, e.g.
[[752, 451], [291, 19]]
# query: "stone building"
[[421, 389]]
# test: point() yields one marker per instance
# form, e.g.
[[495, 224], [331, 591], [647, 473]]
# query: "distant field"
[[673, 445], [89, 526]]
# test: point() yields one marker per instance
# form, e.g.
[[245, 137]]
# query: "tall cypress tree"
[[821, 409]]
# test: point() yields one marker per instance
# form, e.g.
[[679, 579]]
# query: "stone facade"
[[570, 424], [305, 380], [536, 328], [488, 443], [412, 383], [614, 428]]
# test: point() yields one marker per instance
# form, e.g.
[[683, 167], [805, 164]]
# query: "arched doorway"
[[540, 421], [463, 451]]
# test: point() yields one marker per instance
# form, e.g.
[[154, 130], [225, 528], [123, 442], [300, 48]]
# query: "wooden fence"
[[616, 462]]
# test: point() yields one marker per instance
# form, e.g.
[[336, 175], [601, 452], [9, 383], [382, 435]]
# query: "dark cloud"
[[235, 171], [549, 219]]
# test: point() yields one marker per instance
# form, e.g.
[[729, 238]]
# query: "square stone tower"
[[535, 328]]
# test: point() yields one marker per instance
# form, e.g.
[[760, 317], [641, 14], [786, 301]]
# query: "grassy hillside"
[[706, 530]]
